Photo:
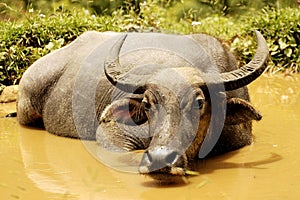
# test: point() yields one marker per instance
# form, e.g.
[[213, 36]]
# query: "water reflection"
[[37, 165], [281, 90]]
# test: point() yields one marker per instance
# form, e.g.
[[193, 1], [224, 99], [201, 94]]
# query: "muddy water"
[[37, 165]]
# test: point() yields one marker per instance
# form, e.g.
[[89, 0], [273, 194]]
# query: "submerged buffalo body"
[[166, 94]]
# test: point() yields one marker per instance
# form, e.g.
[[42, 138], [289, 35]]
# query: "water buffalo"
[[167, 94]]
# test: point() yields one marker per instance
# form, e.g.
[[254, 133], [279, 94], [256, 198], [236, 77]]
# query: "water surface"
[[37, 165]]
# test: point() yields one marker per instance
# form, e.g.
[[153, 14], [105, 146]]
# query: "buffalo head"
[[181, 107]]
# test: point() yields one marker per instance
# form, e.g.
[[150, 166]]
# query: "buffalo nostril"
[[171, 158], [148, 157], [159, 158]]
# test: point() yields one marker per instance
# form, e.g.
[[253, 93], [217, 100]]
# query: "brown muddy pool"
[[37, 165]]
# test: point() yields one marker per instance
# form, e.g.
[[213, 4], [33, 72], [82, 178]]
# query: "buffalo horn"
[[118, 75], [246, 74]]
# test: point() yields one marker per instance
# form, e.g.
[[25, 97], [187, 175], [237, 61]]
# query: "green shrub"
[[23, 42], [281, 28]]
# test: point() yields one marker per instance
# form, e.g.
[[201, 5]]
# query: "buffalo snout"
[[163, 164]]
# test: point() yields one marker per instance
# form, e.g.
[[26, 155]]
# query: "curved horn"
[[112, 65], [249, 72], [117, 74]]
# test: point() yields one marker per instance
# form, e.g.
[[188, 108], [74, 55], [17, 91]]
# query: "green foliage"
[[23, 43], [281, 28], [37, 34], [9, 10], [99, 7], [234, 8], [200, 8]]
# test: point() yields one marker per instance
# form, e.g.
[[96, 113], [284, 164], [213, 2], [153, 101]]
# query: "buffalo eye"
[[147, 105], [198, 103]]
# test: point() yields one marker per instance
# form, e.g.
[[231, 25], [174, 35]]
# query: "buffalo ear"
[[240, 111], [126, 111]]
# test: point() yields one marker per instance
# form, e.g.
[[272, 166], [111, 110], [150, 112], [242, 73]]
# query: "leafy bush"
[[21, 43], [281, 28], [37, 35]]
